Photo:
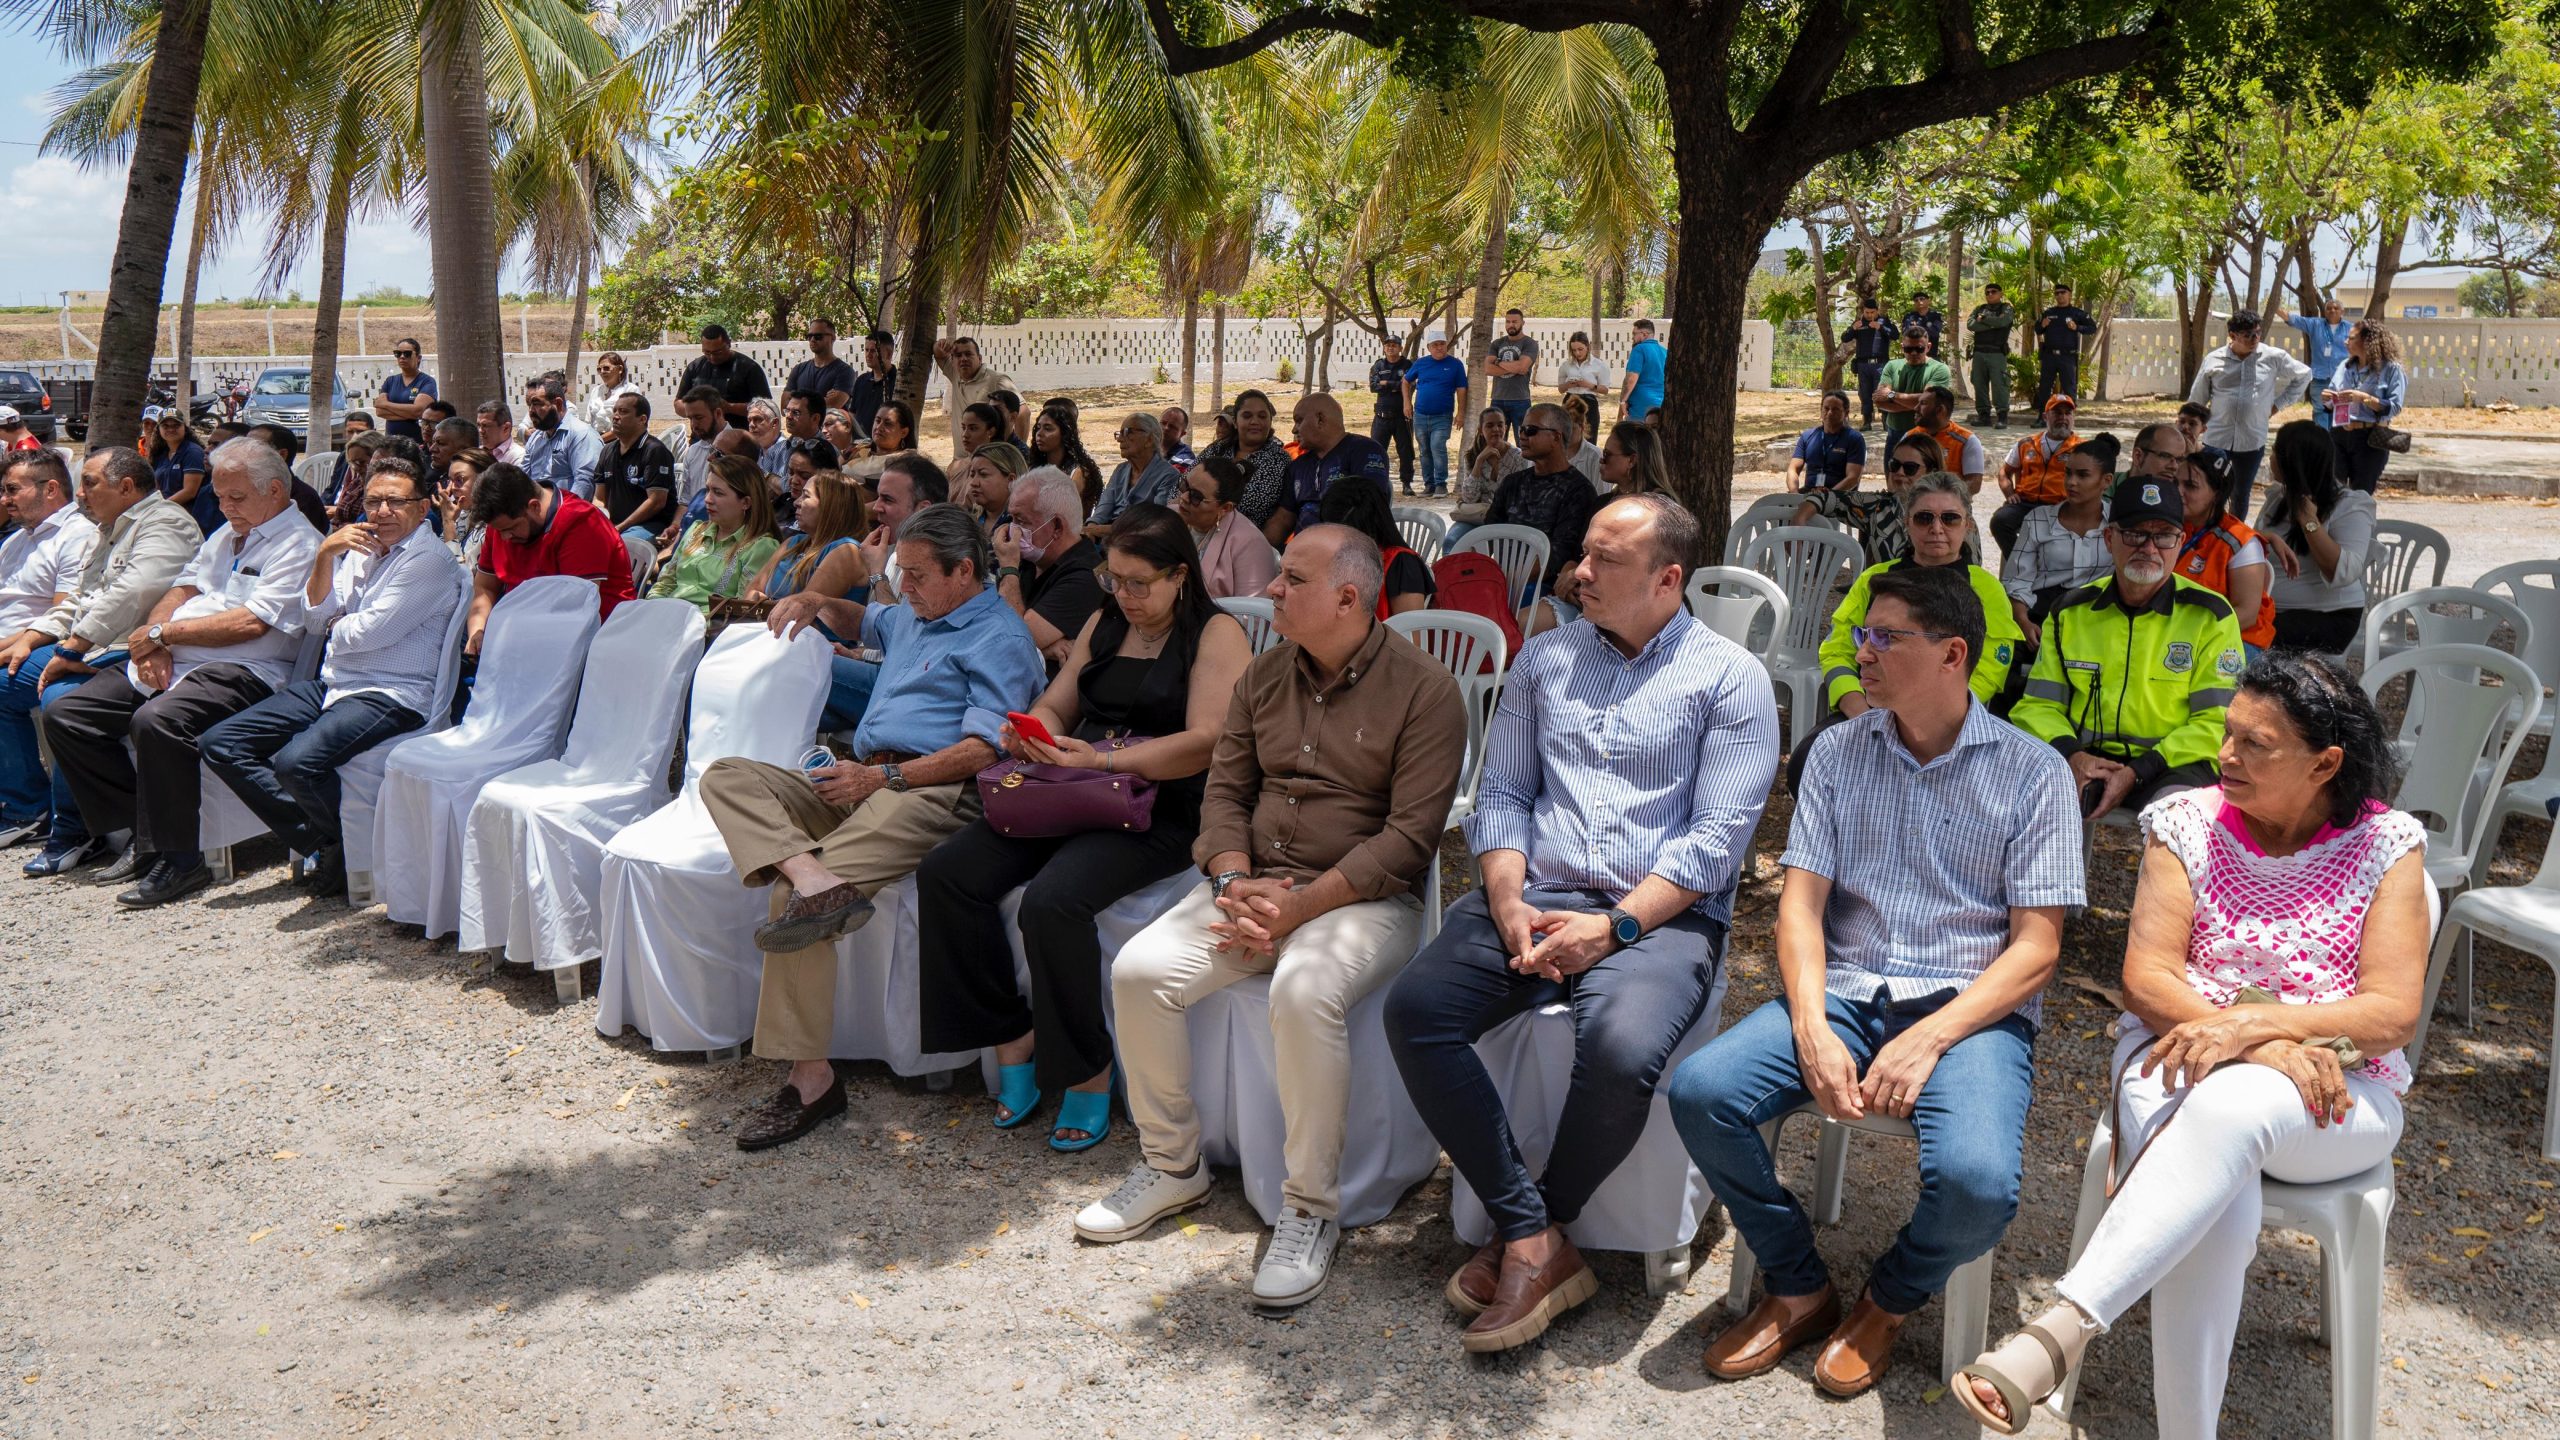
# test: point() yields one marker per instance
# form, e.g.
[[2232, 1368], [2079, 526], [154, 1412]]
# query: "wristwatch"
[[1624, 928], [2309, 527], [154, 633], [1219, 882], [893, 778], [1007, 572]]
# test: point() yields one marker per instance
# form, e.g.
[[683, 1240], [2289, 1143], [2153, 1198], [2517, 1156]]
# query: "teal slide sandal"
[[1085, 1110], [1017, 1093]]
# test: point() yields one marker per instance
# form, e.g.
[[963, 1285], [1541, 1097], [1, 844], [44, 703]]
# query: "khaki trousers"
[[769, 813], [1323, 969]]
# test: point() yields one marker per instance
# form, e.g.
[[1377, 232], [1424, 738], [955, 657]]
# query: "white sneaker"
[[1147, 1196], [1300, 1257]]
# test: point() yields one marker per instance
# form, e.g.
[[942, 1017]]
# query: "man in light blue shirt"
[[1932, 853], [560, 450], [1640, 392], [2324, 343], [953, 659], [1623, 777]]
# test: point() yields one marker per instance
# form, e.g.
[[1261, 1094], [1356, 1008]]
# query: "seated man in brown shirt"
[[1327, 795]]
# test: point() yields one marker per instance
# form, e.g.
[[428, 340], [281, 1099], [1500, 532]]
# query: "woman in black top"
[[1162, 661], [1356, 501], [1055, 440]]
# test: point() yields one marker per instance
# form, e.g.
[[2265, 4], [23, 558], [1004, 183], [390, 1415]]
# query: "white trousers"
[[2184, 1227]]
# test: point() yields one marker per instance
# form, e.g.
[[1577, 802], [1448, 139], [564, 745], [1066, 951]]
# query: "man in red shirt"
[[14, 434], [536, 530]]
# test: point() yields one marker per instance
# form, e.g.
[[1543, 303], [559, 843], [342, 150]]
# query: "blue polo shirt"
[[1352, 455], [1436, 384], [1645, 362], [1827, 457], [398, 389], [942, 680], [2327, 344]]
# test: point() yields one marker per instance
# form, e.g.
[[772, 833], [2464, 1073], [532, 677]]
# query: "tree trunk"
[[198, 234], [577, 321], [1497, 234], [318, 435], [1959, 339], [1191, 351], [2306, 286], [2387, 250], [154, 182], [1671, 259], [777, 320], [1594, 331], [1617, 305], [1823, 321], [915, 341], [1218, 354], [462, 208]]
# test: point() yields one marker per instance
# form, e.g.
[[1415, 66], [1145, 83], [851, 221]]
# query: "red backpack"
[[1473, 582]]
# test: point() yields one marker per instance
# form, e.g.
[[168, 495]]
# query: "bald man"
[[1326, 452]]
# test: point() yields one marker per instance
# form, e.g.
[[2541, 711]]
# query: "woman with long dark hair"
[[2318, 532], [1143, 693], [893, 432], [179, 465], [1056, 440]]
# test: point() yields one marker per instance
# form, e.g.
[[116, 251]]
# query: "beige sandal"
[[2025, 1368]]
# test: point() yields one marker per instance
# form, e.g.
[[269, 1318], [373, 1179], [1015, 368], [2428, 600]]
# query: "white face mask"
[[1031, 553]]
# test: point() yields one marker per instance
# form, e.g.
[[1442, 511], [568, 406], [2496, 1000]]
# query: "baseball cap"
[[2061, 402], [2140, 499], [1435, 336], [9, 415], [2215, 462], [151, 413]]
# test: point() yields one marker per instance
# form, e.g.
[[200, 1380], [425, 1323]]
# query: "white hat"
[[9, 415], [151, 413], [1435, 336]]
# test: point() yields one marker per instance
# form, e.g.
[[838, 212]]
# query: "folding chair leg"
[[1966, 1315], [218, 860], [565, 985], [2463, 1010], [726, 1054], [1666, 1270], [1831, 1175], [2354, 1274]]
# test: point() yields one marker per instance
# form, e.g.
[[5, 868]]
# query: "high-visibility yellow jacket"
[[1839, 652], [2148, 686]]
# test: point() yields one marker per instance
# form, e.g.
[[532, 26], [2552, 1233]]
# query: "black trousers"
[[158, 791], [2360, 461], [969, 999], [281, 755], [1629, 1012], [2328, 632], [1869, 373], [2056, 374], [2006, 521], [1398, 428]]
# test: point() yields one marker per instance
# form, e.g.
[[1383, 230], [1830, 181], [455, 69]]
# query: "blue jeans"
[[1629, 1012], [1431, 435], [281, 756], [1514, 411], [2244, 478], [849, 694], [1971, 1117], [1457, 531], [25, 794]]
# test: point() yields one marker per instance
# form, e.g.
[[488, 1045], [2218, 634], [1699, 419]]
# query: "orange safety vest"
[[2040, 478], [2206, 560], [1950, 445]]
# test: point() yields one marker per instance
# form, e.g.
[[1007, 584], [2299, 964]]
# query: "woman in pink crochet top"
[[2292, 878]]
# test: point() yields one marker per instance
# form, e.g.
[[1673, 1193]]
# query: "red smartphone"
[[1030, 728]]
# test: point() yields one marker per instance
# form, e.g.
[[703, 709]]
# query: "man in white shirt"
[[222, 639], [2244, 383], [40, 566], [560, 450], [966, 380], [386, 590]]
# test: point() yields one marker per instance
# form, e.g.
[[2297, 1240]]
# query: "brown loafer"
[[786, 1117], [1860, 1351], [1528, 1298], [1754, 1344], [807, 920], [1472, 1289]]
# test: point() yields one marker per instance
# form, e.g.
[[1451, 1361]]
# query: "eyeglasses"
[[1115, 583], [1881, 639], [1540, 430], [1945, 519], [1905, 467], [2155, 539], [386, 502]]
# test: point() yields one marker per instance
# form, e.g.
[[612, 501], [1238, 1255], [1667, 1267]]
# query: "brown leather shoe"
[[807, 920], [1528, 1298], [1472, 1289], [786, 1117], [1860, 1351], [1754, 1344]]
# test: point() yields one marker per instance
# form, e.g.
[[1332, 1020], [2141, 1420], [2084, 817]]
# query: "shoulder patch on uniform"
[[2001, 654], [2179, 658], [2231, 663]]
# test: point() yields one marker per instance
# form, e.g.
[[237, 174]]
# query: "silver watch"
[[1219, 882], [892, 777]]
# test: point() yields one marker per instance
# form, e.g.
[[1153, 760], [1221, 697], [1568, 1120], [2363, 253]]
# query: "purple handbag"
[[1045, 802]]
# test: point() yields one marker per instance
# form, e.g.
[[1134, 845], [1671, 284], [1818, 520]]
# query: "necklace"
[[1141, 643]]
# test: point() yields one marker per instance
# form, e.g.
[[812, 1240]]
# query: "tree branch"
[[1182, 57], [1822, 41], [1867, 117], [1959, 53]]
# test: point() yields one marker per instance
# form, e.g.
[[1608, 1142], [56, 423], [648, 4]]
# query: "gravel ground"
[[279, 1168]]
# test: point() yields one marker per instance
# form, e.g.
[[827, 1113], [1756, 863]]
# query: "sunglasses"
[[1946, 519], [404, 354], [1906, 467], [1540, 430]]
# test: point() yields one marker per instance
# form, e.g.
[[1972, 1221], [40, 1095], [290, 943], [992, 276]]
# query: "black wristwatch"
[[1219, 882], [1624, 928], [893, 778]]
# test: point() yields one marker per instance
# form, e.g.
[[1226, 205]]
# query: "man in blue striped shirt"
[[1623, 777], [1933, 850]]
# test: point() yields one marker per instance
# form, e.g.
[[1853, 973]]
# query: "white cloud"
[[56, 210]]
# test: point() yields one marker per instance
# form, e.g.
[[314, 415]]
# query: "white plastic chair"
[[680, 958], [2533, 586], [1466, 644], [315, 469], [1738, 616], [2463, 727], [2401, 549], [360, 779], [1425, 532], [1811, 566], [1965, 1309], [2428, 616], [2527, 917], [1521, 551], [644, 557], [530, 658], [1254, 613], [1762, 516], [223, 819], [1654, 1202], [533, 856]]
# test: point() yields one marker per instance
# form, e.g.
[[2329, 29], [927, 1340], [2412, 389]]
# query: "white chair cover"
[[530, 660], [222, 819], [1656, 1199], [360, 779], [680, 958], [533, 858]]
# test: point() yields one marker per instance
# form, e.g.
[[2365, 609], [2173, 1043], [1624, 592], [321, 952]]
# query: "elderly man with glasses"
[[2136, 669], [1046, 568], [386, 589]]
